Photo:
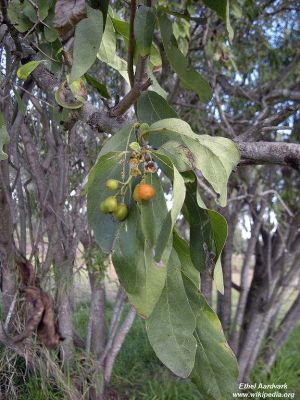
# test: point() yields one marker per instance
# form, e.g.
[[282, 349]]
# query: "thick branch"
[[287, 154]]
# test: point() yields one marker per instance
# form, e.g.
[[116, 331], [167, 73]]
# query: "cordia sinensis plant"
[[126, 192]]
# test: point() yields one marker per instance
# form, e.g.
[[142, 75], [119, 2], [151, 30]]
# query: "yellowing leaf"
[[25, 70]]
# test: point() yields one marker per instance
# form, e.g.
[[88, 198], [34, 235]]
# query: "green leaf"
[[151, 107], [20, 102], [17, 17], [122, 28], [4, 137], [51, 34], [100, 87], [142, 278], [25, 70], [172, 323], [88, 34], [153, 214], [178, 199], [103, 6], [215, 157], [221, 7], [218, 6], [189, 77], [183, 251], [144, 24], [119, 141], [215, 371], [109, 166], [108, 50], [208, 233], [36, 15]]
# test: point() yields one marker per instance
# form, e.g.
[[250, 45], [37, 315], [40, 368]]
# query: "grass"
[[287, 366], [139, 375]]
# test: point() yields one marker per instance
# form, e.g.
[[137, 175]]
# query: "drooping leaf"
[[104, 226], [88, 34], [221, 7], [153, 214], [218, 6], [99, 86], [171, 325], [178, 187], [208, 233], [155, 86], [4, 137], [189, 77], [108, 50], [144, 24], [183, 251], [151, 107], [215, 157], [122, 28], [68, 14], [25, 70], [215, 371], [103, 6], [141, 277]]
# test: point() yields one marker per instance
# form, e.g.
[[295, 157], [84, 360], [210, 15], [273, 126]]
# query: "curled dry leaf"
[[42, 318], [68, 14]]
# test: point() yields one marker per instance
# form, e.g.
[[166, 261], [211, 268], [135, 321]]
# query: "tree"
[[181, 106]]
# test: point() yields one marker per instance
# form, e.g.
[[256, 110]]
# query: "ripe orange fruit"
[[143, 191], [110, 204], [121, 212], [112, 184]]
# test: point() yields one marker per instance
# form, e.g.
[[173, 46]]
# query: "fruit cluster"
[[142, 192]]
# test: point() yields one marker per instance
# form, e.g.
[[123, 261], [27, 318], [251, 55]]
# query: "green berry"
[[121, 212], [112, 184]]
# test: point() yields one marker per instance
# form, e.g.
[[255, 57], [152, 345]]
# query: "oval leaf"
[[152, 107], [189, 77], [215, 371], [88, 34], [104, 225], [144, 24], [25, 70], [171, 325]]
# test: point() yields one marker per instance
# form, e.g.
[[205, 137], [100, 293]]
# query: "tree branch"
[[287, 154]]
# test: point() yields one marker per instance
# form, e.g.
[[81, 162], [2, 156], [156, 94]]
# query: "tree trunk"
[[64, 277], [8, 273], [97, 317], [245, 282]]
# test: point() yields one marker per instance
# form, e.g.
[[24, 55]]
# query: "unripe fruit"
[[144, 127], [112, 184], [110, 204], [103, 208], [143, 191], [121, 212]]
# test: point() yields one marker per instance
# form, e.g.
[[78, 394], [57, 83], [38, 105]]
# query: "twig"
[[131, 44]]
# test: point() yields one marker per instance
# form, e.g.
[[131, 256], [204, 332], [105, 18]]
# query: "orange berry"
[[143, 191]]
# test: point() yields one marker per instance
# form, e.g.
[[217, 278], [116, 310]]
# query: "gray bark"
[[245, 282]]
